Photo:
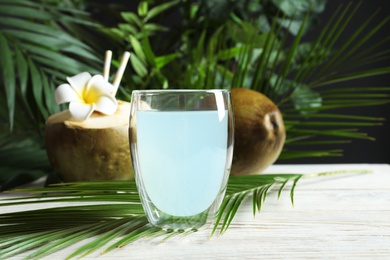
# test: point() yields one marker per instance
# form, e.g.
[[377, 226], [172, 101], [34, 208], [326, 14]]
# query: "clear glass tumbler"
[[181, 144]]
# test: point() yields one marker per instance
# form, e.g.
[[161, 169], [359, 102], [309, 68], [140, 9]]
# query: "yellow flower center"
[[91, 97]]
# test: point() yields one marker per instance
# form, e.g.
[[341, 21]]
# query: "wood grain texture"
[[334, 217]]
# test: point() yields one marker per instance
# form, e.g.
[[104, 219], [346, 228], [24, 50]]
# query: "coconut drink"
[[89, 141]]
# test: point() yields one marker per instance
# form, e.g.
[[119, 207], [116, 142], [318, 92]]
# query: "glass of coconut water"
[[181, 145]]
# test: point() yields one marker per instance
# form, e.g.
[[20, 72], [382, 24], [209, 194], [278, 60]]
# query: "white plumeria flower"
[[87, 94]]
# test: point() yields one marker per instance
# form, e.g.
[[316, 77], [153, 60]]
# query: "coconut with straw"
[[89, 140]]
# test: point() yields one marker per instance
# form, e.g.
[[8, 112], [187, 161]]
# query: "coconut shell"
[[95, 149], [259, 132]]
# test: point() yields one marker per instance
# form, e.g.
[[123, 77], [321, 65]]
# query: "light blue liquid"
[[182, 158]]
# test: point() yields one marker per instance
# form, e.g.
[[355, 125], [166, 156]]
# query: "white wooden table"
[[334, 217]]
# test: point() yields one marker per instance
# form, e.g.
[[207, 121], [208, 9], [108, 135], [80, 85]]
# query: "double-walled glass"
[[181, 145]]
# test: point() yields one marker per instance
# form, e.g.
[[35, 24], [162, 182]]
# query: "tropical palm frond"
[[41, 44], [122, 217], [110, 214], [258, 188], [15, 149], [307, 94], [301, 77], [38, 54]]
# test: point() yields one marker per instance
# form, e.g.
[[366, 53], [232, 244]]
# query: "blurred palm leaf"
[[312, 93], [38, 53], [40, 46], [23, 160], [300, 77]]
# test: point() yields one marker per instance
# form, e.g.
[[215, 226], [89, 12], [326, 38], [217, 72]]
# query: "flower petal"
[[65, 93], [79, 82], [106, 105], [81, 111], [99, 84]]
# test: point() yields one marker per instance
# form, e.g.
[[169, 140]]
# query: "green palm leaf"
[[310, 93], [40, 46], [23, 231], [15, 149], [115, 218], [34, 44], [300, 77]]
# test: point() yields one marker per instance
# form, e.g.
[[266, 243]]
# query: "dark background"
[[358, 151], [363, 151]]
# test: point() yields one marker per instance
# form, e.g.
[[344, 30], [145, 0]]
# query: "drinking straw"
[[121, 70], [107, 63]]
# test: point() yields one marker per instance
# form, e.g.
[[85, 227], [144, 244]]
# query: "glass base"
[[181, 224]]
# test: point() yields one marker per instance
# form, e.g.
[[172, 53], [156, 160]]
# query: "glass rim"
[[156, 91]]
